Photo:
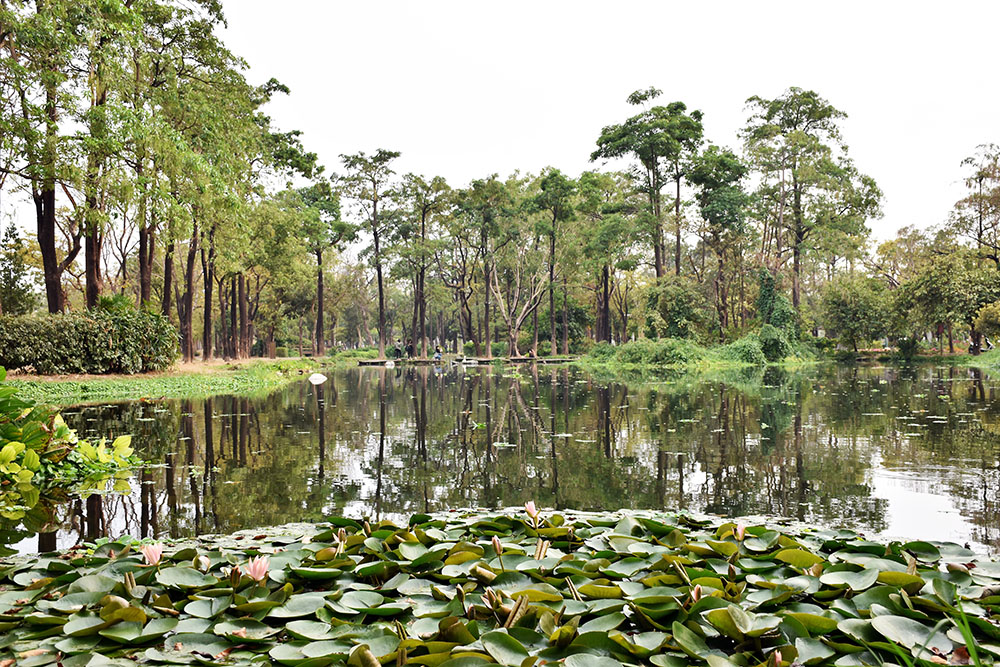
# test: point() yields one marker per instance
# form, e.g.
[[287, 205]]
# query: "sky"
[[468, 88]]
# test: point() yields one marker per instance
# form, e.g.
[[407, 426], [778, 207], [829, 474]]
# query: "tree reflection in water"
[[857, 446]]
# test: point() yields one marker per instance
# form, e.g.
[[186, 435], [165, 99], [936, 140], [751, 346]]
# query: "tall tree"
[[797, 134], [556, 202], [322, 229], [659, 138], [369, 182], [719, 173]]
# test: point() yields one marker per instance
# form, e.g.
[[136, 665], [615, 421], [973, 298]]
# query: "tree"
[[556, 201], [855, 308], [660, 138], [369, 182], [797, 136], [719, 174], [322, 228], [17, 297]]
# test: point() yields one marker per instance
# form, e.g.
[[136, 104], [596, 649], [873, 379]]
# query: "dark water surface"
[[901, 452]]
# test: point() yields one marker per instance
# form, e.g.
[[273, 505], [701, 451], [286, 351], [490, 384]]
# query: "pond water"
[[896, 452]]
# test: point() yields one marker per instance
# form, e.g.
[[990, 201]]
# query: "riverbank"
[[513, 587], [191, 380]]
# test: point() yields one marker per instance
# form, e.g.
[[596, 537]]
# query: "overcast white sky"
[[466, 88]]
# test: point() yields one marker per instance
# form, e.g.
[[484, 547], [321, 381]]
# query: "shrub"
[[639, 352], [683, 309], [111, 340], [746, 350], [773, 343], [281, 352], [603, 351], [908, 347]]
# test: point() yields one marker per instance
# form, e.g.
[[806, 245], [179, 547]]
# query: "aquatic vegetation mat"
[[516, 588]]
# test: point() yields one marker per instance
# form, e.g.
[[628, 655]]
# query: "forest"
[[139, 170]]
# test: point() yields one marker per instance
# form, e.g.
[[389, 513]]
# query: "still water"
[[896, 452]]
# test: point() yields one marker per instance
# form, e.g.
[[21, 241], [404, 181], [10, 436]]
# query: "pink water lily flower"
[[257, 568], [152, 553], [741, 531], [529, 507], [696, 593]]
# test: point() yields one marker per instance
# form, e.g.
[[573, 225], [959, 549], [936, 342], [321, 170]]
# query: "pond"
[[895, 452]]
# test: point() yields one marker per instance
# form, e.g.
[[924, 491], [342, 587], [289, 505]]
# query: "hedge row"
[[130, 341]]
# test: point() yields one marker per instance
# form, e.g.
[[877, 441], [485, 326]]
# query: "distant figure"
[[397, 350], [437, 353], [409, 348]]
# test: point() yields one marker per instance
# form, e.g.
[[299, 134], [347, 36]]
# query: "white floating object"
[[317, 378], [390, 364]]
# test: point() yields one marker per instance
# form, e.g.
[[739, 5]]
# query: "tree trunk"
[[45, 208], [168, 278], [487, 339], [677, 215], [552, 293], [234, 348], [565, 318], [208, 276], [606, 305], [187, 305], [147, 250], [320, 348], [244, 344]]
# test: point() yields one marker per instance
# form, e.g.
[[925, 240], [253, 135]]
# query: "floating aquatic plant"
[[584, 589]]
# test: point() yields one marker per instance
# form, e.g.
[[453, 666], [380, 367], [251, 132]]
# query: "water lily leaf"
[[690, 642], [588, 660], [311, 630], [503, 648], [816, 624], [910, 583], [326, 649], [208, 608], [299, 605], [600, 592], [245, 630], [289, 654], [812, 651], [798, 558], [856, 581], [184, 577], [82, 624], [604, 623], [911, 633]]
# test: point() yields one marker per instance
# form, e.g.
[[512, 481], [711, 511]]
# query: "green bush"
[[114, 340], [773, 343], [603, 351], [746, 350], [908, 347], [281, 352]]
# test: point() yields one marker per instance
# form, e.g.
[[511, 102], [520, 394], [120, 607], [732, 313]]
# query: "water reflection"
[[904, 452]]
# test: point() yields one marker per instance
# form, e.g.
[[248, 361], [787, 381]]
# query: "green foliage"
[[773, 343], [41, 457], [103, 341], [746, 350], [855, 308], [988, 319], [534, 586], [773, 307], [17, 297], [680, 308]]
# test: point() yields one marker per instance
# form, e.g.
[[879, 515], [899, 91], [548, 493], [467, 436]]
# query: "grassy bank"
[[673, 357], [511, 588], [196, 380]]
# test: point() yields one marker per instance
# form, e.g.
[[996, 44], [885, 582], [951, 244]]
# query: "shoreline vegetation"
[[643, 360], [511, 587], [196, 380]]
